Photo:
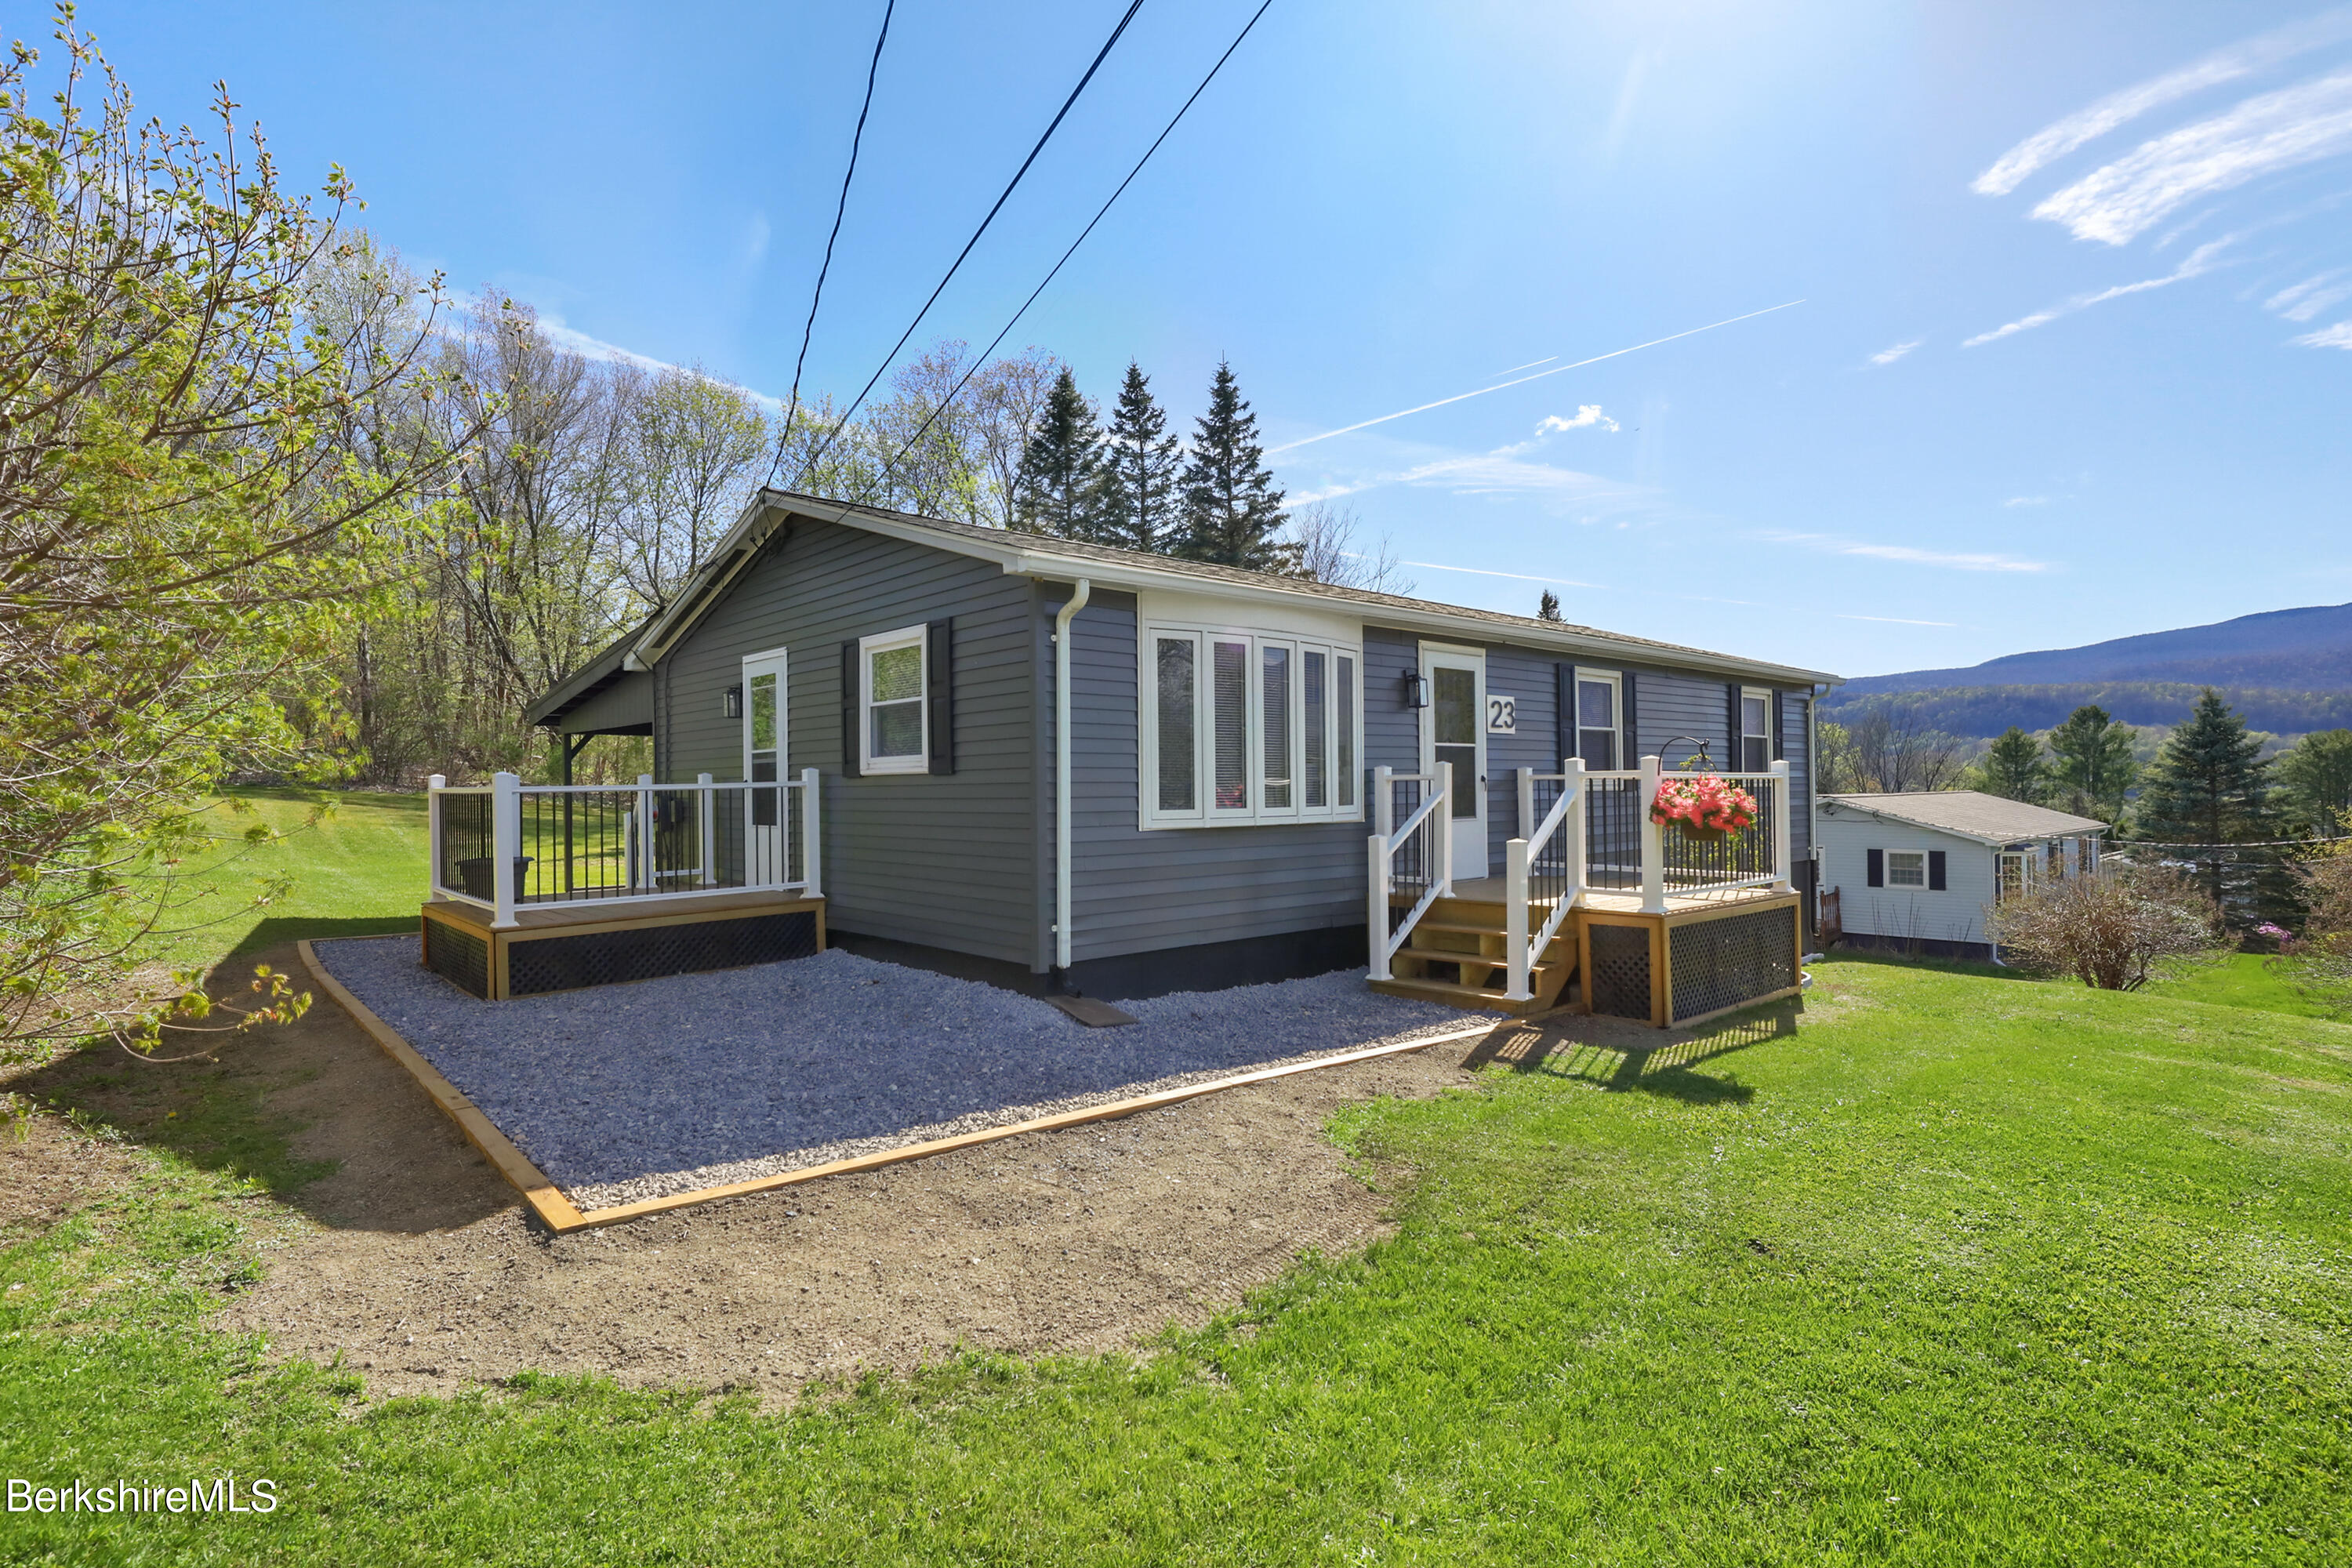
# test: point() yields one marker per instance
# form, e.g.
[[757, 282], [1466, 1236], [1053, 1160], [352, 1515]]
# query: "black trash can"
[[475, 874]]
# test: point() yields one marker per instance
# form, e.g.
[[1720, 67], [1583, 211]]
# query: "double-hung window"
[[1907, 868], [1244, 725], [1597, 700], [1755, 731], [894, 719]]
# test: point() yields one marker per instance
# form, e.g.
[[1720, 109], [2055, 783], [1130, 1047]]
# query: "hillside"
[[2307, 650], [1980, 711]]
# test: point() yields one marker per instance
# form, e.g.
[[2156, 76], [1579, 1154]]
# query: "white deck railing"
[[508, 845], [1414, 862], [1542, 870]]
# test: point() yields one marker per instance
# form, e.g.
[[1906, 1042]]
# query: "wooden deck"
[[607, 913], [1490, 890], [612, 942]]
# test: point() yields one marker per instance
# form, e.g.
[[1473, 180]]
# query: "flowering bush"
[[1705, 803]]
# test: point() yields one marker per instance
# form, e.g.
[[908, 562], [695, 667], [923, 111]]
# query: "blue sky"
[[2071, 361]]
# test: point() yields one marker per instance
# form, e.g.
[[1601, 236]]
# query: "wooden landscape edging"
[[560, 1215]]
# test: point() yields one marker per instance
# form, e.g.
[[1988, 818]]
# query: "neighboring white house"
[[1918, 871]]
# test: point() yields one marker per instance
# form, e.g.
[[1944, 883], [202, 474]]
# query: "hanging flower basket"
[[1706, 809]]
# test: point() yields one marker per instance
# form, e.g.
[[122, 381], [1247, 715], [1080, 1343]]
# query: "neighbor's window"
[[895, 725], [1907, 868], [1596, 720], [1247, 727], [1755, 731]]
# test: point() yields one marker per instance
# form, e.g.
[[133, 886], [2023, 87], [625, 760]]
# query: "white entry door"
[[766, 851], [1454, 737]]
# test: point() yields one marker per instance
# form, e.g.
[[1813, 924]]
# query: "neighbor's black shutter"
[[1563, 685], [1936, 871], [1633, 757], [1877, 877], [849, 708], [1780, 728], [1734, 759], [939, 690]]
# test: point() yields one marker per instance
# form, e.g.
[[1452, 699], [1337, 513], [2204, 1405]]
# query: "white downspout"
[[1062, 773]]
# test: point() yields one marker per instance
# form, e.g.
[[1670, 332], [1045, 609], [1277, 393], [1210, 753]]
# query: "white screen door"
[[1454, 737], [765, 731]]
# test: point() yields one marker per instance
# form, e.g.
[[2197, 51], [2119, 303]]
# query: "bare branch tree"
[[1324, 536]]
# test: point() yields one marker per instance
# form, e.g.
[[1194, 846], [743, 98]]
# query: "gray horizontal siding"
[[949, 861]]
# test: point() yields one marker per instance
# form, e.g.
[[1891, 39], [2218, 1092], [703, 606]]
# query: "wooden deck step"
[[1486, 997], [1476, 960]]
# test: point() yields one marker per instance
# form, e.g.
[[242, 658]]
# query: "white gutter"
[[1062, 772]]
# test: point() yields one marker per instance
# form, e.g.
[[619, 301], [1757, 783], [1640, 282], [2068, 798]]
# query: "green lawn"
[[2243, 980], [359, 870], [1962, 1269]]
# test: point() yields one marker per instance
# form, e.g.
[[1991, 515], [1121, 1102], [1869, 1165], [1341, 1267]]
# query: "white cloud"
[[2262, 135], [2027, 501], [2198, 262], [2338, 336], [1502, 473], [2308, 297], [1889, 355], [2085, 125], [1586, 414], [1898, 621], [1908, 554]]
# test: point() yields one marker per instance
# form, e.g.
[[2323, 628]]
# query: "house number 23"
[[1502, 715]]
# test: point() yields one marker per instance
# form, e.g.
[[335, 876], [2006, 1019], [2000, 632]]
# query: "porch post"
[[433, 788], [1442, 822], [642, 873], [1527, 777], [1653, 844], [812, 841], [1376, 917], [1383, 802], [506, 844], [702, 805], [1515, 913], [1574, 827], [1780, 847]]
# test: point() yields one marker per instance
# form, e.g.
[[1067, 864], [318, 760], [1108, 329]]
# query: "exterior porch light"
[[1416, 689], [730, 702]]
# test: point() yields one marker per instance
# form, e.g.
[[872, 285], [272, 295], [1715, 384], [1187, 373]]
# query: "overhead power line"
[[856, 139], [974, 366], [1100, 54]]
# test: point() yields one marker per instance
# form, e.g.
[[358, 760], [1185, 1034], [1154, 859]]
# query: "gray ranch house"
[[1916, 872], [1067, 767]]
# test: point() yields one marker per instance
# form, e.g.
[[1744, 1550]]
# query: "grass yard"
[[2243, 980], [360, 872], [1961, 1269]]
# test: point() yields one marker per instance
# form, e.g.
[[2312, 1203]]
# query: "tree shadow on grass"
[[268, 933], [1620, 1056]]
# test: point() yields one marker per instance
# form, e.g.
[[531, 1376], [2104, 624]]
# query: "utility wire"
[[1101, 55], [856, 139], [975, 367]]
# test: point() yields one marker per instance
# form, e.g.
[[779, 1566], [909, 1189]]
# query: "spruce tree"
[[2315, 777], [1055, 488], [2092, 764], [2013, 768], [1232, 510], [2209, 788], [1548, 608], [1137, 506]]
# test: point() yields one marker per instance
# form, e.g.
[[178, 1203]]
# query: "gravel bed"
[[627, 1092]]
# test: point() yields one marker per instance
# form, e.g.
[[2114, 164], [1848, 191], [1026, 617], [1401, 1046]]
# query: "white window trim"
[[1764, 734], [1615, 682], [919, 639], [1154, 622], [1919, 855]]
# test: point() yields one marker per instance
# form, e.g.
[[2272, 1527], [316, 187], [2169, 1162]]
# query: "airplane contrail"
[[1596, 359]]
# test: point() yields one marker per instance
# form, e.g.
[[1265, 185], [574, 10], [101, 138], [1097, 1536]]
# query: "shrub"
[[2109, 930]]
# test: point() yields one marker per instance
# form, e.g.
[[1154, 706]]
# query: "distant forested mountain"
[[2288, 671]]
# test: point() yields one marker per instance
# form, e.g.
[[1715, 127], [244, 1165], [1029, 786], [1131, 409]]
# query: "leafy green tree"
[[1057, 491], [2092, 764], [1137, 504], [2210, 786], [2013, 768], [185, 528], [1232, 513], [2315, 779]]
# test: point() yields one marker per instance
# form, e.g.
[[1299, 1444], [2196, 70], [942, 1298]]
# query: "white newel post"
[[642, 873], [1440, 822], [1653, 844], [433, 788], [812, 872], [1376, 916], [1573, 787], [506, 843], [1780, 847], [1527, 777], [702, 807], [1515, 911], [1383, 801]]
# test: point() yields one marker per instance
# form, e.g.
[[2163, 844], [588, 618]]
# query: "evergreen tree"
[[1549, 608], [2315, 777], [1137, 506], [2209, 788], [1056, 488], [2013, 768], [2092, 764], [1232, 510]]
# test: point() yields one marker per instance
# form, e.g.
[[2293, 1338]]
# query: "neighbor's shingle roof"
[[1970, 814]]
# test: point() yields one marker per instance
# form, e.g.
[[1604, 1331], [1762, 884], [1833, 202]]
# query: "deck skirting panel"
[[571, 949]]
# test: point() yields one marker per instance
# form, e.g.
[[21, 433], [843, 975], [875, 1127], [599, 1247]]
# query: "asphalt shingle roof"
[[1970, 813]]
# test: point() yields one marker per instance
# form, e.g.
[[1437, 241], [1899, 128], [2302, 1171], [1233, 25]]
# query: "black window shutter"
[[1734, 759], [1936, 871], [849, 708], [1780, 728], [1877, 857], [1631, 720], [1563, 685], [939, 690]]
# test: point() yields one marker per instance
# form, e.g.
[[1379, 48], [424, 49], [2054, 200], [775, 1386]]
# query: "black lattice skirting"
[[531, 960]]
